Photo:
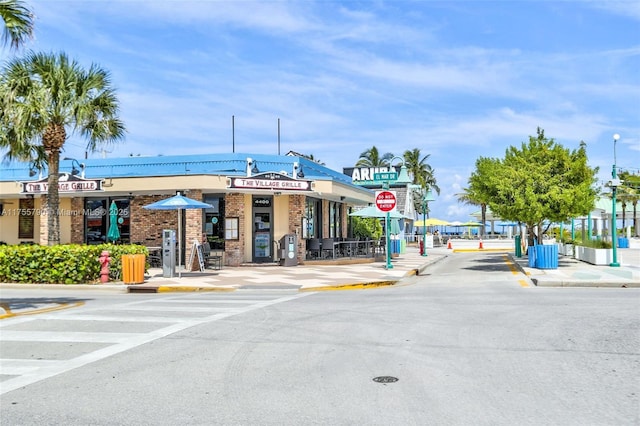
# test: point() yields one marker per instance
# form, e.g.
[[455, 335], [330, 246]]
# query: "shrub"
[[61, 264], [598, 244]]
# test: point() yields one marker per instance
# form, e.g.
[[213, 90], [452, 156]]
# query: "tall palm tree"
[[42, 97], [422, 174], [371, 158], [470, 198], [18, 22]]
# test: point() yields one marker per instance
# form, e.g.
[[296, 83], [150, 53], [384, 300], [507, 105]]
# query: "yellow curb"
[[169, 289], [359, 286]]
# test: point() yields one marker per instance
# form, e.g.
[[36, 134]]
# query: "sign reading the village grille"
[[270, 181], [66, 183]]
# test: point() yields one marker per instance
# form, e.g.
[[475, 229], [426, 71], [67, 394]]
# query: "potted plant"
[[596, 252]]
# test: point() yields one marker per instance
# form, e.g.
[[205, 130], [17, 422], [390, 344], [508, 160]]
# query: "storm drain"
[[385, 379]]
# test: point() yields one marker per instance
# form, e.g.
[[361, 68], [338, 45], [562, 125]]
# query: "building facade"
[[255, 199]]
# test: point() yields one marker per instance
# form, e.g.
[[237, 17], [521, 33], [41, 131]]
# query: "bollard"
[[104, 260]]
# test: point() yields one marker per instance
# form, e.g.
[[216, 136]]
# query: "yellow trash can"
[[133, 268]]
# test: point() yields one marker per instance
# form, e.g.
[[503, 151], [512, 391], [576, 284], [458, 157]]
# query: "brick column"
[[234, 249], [296, 213], [77, 221]]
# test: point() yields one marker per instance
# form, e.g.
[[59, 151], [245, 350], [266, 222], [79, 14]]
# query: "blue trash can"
[[546, 256], [531, 255], [623, 242]]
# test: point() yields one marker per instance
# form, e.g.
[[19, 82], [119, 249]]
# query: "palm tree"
[[42, 97], [18, 22], [422, 174], [371, 158], [470, 198]]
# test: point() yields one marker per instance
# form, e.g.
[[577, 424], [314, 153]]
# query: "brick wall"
[[77, 220], [234, 249], [296, 213]]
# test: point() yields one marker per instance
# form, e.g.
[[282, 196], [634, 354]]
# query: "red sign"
[[385, 201]]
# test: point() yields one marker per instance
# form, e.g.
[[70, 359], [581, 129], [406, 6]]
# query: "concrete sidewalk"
[[319, 277], [308, 277], [574, 273]]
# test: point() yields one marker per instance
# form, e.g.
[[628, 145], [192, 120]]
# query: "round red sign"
[[385, 201]]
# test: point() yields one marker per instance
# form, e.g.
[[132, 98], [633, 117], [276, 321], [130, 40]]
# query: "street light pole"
[[424, 224], [614, 186]]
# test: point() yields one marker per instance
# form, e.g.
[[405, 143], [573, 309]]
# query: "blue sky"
[[456, 79]]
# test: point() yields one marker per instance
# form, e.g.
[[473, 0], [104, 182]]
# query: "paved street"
[[469, 342]]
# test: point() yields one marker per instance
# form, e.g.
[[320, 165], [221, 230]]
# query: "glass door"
[[262, 231]]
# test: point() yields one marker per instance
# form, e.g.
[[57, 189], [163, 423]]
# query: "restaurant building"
[[256, 200]]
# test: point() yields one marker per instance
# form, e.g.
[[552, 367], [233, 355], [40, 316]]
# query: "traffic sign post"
[[386, 202]]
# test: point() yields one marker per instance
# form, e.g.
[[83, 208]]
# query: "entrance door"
[[262, 230]]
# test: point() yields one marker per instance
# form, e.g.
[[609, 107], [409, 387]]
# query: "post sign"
[[386, 201], [385, 177]]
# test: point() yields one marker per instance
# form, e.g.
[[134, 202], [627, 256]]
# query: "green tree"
[[371, 158], [478, 193], [630, 194], [18, 22], [541, 181], [44, 98]]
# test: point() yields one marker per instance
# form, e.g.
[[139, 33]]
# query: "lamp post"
[[74, 163], [614, 186], [426, 197]]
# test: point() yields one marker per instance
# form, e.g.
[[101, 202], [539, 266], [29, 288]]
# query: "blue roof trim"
[[234, 164]]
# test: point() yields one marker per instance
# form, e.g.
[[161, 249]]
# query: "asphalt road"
[[469, 343]]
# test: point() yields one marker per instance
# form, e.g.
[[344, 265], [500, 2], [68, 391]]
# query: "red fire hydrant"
[[104, 260]]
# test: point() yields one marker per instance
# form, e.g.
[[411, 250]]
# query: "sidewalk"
[[574, 273], [319, 277], [308, 277]]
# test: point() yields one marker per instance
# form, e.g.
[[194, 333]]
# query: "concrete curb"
[[576, 283]]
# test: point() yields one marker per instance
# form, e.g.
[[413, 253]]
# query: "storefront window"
[[27, 219], [214, 221], [335, 224], [311, 219], [97, 219]]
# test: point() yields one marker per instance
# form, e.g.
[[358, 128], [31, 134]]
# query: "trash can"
[[133, 268], [518, 243], [546, 256], [531, 255], [623, 242]]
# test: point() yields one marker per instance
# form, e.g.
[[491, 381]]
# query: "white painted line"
[[15, 367], [66, 336], [138, 339]]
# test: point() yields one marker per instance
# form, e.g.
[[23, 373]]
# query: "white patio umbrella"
[[178, 202]]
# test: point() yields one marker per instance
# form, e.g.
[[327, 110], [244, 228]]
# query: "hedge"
[[61, 264]]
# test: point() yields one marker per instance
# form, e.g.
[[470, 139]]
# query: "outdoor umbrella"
[[432, 221], [114, 233], [178, 202]]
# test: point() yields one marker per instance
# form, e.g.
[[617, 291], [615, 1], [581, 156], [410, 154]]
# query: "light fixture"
[[251, 162], [76, 170], [131, 197], [615, 182], [32, 172], [297, 170]]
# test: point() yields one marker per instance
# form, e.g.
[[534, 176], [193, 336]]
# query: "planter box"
[[566, 249], [594, 256]]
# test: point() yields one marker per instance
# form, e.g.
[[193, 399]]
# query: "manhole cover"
[[385, 379]]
